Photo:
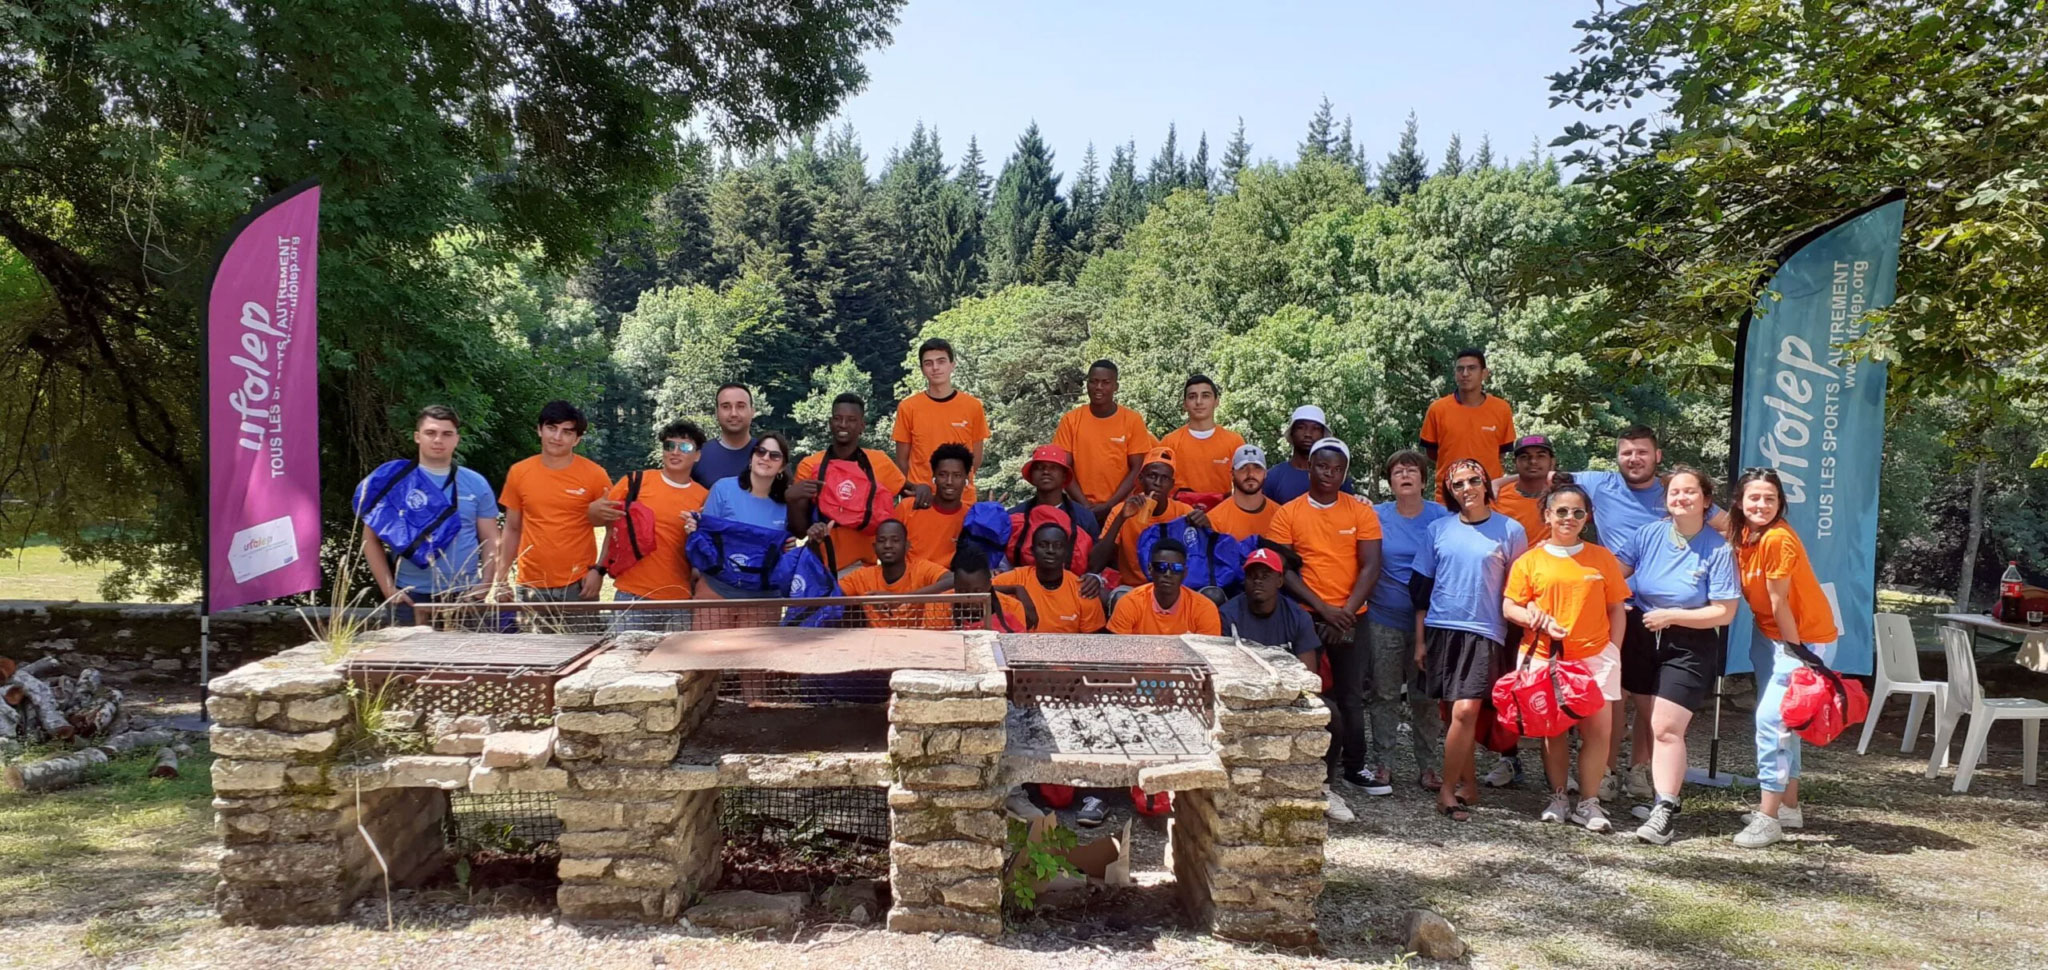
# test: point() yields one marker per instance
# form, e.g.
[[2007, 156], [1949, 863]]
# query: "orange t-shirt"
[[924, 424], [1061, 610], [917, 574], [1012, 619], [1459, 432], [1327, 541], [666, 574], [1509, 501], [1127, 563], [1780, 555], [1202, 464], [849, 546], [1139, 613], [556, 543], [933, 534], [1102, 448], [1230, 520], [1576, 589]]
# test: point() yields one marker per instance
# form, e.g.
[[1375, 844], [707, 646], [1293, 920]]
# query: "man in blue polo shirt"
[[461, 567], [1288, 480]]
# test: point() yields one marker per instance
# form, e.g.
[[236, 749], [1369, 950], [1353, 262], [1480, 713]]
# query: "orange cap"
[[1160, 456]]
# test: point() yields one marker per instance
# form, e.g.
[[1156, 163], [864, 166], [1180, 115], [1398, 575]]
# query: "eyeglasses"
[[1467, 482], [683, 446], [1170, 568], [768, 453], [1569, 513]]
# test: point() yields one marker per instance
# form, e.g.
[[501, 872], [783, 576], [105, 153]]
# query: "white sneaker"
[[1789, 817], [1610, 788], [1589, 815], [1761, 831], [1560, 806], [1639, 784], [1338, 811], [1504, 773]]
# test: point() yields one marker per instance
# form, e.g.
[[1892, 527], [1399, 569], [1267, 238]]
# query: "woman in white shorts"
[[1569, 597]]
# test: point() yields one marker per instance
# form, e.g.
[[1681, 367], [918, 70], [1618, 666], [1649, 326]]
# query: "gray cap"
[[1247, 455]]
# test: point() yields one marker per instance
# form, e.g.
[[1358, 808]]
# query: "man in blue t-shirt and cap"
[[460, 568], [1261, 615], [1288, 480]]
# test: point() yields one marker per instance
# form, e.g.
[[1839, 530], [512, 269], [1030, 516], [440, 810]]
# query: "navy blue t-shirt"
[[1285, 483], [1288, 626], [718, 461]]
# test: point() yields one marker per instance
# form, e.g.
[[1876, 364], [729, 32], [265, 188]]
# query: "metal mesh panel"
[[800, 816], [522, 823], [447, 675], [935, 612]]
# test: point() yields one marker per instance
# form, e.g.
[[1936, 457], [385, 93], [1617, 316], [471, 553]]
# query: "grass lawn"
[[42, 573]]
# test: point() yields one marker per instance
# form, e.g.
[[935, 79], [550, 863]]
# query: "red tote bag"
[[1545, 698]]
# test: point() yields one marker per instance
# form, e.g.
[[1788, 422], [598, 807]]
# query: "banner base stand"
[[1694, 776]]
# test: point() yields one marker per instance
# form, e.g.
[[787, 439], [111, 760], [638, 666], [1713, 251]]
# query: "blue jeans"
[[658, 621], [1777, 749]]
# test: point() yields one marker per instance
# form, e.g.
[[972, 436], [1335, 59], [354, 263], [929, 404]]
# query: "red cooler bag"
[[1819, 703], [633, 534], [1545, 698]]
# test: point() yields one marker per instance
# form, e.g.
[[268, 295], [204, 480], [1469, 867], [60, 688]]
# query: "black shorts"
[[1462, 665], [1677, 664]]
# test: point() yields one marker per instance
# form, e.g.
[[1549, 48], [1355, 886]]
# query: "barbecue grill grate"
[[1110, 673], [441, 675]]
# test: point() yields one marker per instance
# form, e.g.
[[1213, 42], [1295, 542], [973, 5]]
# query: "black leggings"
[[1350, 681]]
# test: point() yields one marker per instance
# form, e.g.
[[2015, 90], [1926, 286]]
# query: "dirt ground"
[[1893, 870]]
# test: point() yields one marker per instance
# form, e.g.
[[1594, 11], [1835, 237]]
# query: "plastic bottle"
[[2009, 597]]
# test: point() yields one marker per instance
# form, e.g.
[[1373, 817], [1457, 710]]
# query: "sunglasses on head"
[[1170, 568], [1569, 513], [683, 446], [761, 452], [1467, 482]]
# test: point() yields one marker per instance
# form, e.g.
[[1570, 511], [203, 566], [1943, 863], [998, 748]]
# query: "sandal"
[[1459, 812], [1430, 781]]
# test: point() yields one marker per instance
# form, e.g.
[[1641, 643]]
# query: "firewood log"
[[166, 764], [43, 705], [53, 773], [121, 744]]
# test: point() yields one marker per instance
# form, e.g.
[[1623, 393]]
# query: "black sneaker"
[[1661, 826], [1092, 813]]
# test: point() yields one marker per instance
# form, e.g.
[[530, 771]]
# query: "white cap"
[[1322, 443], [1308, 412], [1247, 455]]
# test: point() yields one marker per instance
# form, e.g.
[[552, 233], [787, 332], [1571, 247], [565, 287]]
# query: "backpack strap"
[[410, 464], [633, 495], [434, 526]]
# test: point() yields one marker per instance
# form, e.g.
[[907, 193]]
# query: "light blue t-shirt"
[[1401, 540], [1470, 565], [1619, 509], [1674, 573], [456, 567], [729, 501]]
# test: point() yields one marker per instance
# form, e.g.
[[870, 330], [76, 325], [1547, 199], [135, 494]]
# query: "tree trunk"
[[121, 744], [166, 764], [10, 721], [1969, 570], [53, 773]]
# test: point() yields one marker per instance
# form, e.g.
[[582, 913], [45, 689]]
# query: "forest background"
[[627, 204]]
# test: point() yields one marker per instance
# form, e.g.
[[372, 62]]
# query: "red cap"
[[1049, 453], [1265, 557]]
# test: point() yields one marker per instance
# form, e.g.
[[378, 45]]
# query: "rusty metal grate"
[[511, 678], [1145, 698], [1095, 650]]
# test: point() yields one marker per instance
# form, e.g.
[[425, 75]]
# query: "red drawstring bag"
[[1819, 703], [1201, 500], [1023, 527], [633, 535], [1543, 699], [1153, 805], [850, 497]]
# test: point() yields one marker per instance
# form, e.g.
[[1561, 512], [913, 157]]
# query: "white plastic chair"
[[1966, 697], [1898, 672]]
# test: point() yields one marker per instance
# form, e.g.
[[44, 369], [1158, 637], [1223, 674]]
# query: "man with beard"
[[1248, 511]]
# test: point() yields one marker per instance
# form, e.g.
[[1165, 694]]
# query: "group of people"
[[1411, 608]]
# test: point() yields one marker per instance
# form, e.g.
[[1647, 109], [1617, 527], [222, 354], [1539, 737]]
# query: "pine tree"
[[914, 197], [1085, 203], [1123, 199], [1042, 263], [1320, 137], [1026, 197], [1168, 171], [973, 172], [1344, 151], [1405, 168], [1484, 160], [1237, 156], [1200, 175], [1454, 162]]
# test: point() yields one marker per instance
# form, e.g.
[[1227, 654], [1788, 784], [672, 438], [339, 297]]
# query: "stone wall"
[[143, 641], [947, 828]]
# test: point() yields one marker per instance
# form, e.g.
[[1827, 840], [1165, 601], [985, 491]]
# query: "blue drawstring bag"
[[408, 511], [739, 554], [1214, 558], [988, 524], [803, 574]]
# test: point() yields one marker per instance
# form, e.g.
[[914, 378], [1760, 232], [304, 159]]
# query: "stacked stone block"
[[947, 827], [640, 836], [1248, 857]]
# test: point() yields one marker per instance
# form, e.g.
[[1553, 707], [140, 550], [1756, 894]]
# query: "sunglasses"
[[1467, 482], [1569, 513], [683, 446], [769, 453], [1170, 568]]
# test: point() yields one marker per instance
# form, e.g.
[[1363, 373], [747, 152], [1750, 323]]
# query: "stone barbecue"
[[635, 761]]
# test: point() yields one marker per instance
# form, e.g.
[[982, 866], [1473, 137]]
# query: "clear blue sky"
[[1114, 70]]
